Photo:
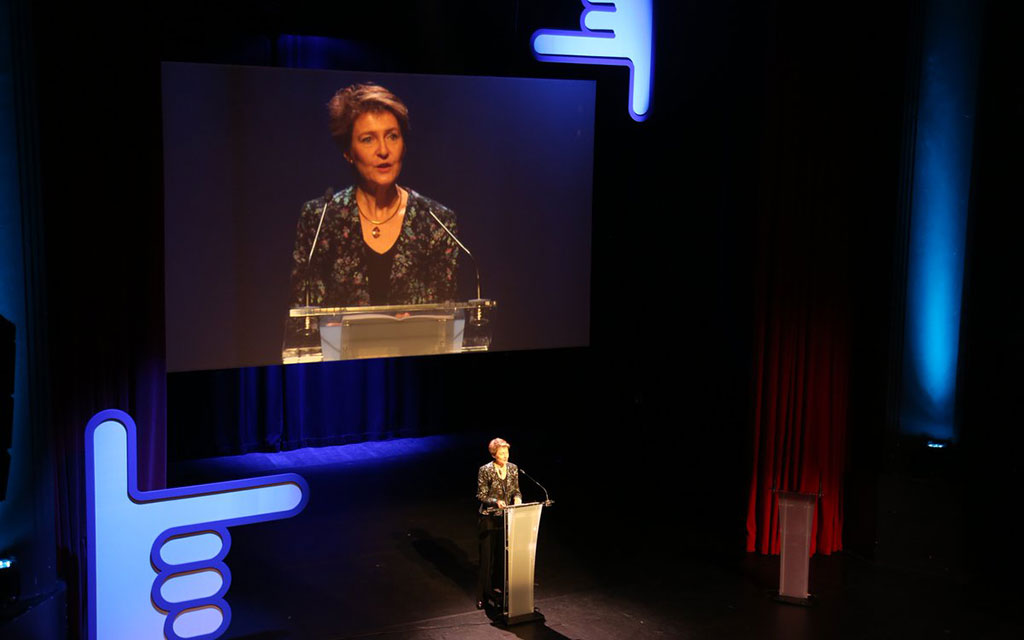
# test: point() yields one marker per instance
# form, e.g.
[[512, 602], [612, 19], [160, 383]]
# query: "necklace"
[[375, 232]]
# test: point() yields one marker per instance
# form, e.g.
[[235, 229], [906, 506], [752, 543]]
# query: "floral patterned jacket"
[[490, 487], [423, 271]]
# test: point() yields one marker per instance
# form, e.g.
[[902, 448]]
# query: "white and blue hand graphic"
[[612, 32], [156, 558]]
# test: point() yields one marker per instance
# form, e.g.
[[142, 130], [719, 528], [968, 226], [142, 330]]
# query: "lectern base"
[[509, 621], [809, 601]]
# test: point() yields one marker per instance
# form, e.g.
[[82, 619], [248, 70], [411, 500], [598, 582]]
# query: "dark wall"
[[992, 331]]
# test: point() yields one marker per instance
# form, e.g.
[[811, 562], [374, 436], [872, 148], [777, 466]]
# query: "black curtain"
[[99, 154], [286, 407]]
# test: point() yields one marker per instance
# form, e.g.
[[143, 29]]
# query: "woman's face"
[[377, 148], [501, 456]]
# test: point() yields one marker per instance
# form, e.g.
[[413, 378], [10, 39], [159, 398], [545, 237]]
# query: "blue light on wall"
[[938, 218], [318, 52]]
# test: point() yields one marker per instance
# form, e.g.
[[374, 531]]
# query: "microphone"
[[327, 201], [476, 267], [328, 194], [476, 319], [547, 499]]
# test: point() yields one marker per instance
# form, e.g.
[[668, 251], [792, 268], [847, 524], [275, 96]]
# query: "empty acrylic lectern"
[[796, 522]]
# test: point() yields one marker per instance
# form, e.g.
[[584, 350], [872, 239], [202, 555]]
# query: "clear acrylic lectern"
[[315, 334]]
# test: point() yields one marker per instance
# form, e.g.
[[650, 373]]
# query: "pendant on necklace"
[[375, 232]]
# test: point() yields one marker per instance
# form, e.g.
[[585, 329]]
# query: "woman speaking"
[[376, 242], [497, 486]]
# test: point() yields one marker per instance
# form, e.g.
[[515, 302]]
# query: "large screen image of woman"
[[302, 205]]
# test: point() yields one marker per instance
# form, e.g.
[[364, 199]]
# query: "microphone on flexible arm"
[[477, 320], [476, 267], [328, 194], [547, 499]]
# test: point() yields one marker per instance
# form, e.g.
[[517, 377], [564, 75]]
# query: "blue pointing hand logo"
[[612, 32], [156, 558]]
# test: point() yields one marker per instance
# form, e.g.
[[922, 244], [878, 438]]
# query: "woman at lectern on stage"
[[497, 486], [375, 242]]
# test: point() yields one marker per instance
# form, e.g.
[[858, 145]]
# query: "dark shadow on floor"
[[446, 556], [534, 631]]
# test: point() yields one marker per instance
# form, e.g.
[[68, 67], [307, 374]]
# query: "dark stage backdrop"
[[245, 147]]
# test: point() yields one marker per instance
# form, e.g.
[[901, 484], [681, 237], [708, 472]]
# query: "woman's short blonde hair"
[[496, 444]]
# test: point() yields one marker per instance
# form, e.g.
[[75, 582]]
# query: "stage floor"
[[386, 549]]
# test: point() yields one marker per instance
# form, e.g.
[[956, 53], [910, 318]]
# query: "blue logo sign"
[[156, 558], [612, 32]]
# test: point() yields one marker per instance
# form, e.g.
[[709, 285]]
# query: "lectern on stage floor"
[[521, 525], [796, 522]]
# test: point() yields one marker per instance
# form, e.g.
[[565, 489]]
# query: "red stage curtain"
[[799, 426], [802, 328], [801, 364], [818, 189]]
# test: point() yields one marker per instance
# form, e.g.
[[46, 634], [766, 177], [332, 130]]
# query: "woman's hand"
[[501, 504], [518, 500]]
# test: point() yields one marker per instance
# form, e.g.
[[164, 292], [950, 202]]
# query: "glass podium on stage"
[[317, 334], [522, 522]]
